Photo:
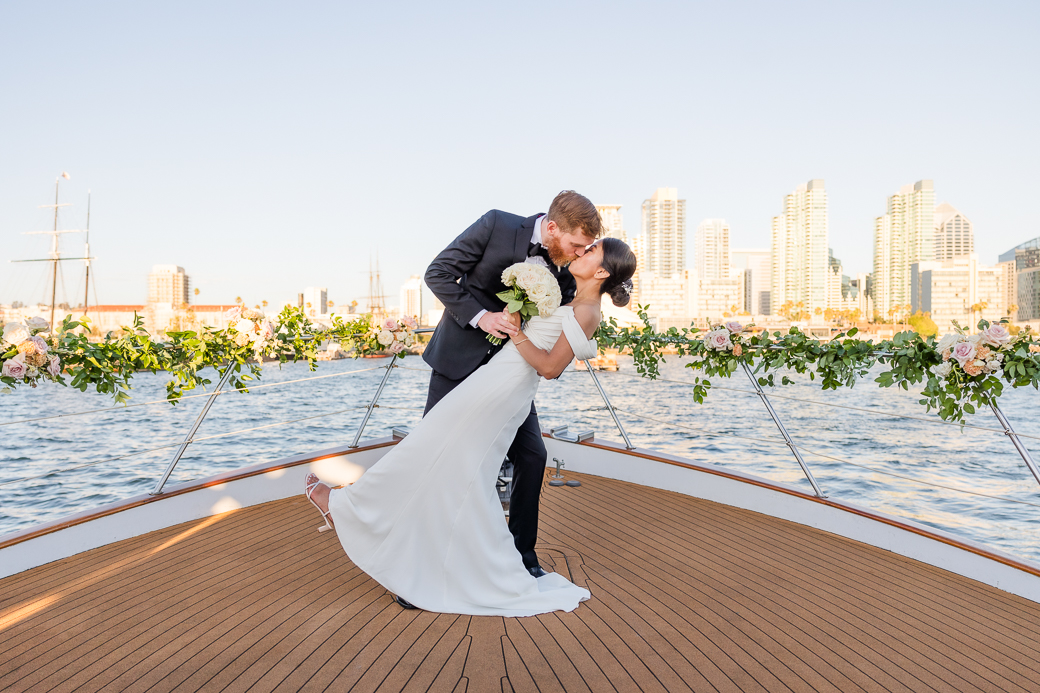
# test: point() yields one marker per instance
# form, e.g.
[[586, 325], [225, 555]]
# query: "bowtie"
[[538, 249]]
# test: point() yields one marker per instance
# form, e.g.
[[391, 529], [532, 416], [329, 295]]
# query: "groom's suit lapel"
[[523, 239]]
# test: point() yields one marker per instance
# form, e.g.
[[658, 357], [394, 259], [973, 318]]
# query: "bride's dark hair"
[[620, 261]]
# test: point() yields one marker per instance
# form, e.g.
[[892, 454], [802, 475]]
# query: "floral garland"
[[961, 372], [27, 356]]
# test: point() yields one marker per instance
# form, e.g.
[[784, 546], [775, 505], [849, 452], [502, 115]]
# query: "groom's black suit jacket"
[[465, 276]]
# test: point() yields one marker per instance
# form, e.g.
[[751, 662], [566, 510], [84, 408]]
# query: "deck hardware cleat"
[[557, 478]]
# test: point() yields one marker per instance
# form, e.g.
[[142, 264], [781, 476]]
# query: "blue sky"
[[271, 146]]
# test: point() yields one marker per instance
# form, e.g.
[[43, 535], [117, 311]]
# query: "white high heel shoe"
[[312, 483]]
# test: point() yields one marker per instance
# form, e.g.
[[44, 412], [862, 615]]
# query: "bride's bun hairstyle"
[[620, 261]]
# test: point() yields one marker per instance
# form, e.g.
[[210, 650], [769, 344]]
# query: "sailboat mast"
[[86, 254], [54, 252]]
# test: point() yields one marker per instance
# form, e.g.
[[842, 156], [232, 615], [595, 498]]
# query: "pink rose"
[[390, 324], [41, 344], [397, 347], [266, 330], [233, 314], [734, 327], [996, 335], [54, 367], [718, 339], [15, 367], [963, 352], [410, 322]]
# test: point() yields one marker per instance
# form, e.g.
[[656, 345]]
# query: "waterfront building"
[[315, 301], [610, 217], [757, 267], [716, 299], [903, 235], [670, 298], [419, 302], [958, 291], [411, 296], [860, 287], [637, 246], [664, 233], [711, 249], [954, 233], [1024, 285], [169, 284], [799, 249]]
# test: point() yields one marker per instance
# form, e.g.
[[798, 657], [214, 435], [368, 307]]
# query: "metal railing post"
[[191, 433], [610, 407], [783, 431], [372, 405], [1010, 433]]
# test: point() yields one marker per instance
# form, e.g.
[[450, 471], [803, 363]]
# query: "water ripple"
[[979, 461]]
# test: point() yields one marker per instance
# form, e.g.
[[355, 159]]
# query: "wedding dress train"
[[426, 522]]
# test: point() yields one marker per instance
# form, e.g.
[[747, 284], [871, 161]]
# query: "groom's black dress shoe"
[[406, 604], [536, 570]]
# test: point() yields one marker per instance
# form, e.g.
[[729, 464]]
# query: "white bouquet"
[[533, 291]]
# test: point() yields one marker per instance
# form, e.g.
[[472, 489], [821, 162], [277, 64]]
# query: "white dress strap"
[[583, 347]]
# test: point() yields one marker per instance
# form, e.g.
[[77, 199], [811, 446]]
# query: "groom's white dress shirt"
[[536, 237]]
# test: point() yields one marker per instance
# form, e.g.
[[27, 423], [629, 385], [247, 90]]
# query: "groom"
[[465, 276]]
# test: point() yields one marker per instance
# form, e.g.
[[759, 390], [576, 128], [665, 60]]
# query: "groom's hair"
[[575, 213]]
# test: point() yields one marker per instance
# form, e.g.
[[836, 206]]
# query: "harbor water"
[[966, 481]]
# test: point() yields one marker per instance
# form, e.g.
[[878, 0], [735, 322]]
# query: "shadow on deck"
[[686, 595]]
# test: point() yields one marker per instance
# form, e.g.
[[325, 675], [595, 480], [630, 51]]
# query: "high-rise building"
[[315, 301], [799, 249], [169, 284], [711, 249], [664, 233], [1024, 289], [954, 234], [757, 268], [905, 234], [411, 296], [610, 217]]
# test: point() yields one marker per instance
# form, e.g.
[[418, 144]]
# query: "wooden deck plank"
[[105, 600], [929, 630], [687, 595]]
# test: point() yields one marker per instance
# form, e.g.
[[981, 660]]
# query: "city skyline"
[[263, 149]]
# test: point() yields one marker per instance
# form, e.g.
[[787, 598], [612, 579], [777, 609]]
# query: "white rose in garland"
[[15, 333], [38, 324]]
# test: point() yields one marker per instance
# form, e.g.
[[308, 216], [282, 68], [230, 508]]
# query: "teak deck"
[[686, 595]]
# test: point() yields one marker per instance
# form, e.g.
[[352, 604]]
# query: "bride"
[[425, 521]]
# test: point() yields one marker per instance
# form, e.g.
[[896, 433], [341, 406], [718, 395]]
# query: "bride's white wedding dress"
[[426, 522]]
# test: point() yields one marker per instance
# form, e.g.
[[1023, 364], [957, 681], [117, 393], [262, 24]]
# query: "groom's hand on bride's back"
[[498, 325]]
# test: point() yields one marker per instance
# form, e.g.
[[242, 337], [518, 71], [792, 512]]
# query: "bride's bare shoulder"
[[588, 316]]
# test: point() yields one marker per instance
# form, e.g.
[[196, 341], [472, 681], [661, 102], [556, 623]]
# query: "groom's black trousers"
[[528, 455]]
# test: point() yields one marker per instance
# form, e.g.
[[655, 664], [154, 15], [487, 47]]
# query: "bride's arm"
[[550, 364]]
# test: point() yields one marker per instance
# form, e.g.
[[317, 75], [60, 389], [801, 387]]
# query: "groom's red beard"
[[557, 254]]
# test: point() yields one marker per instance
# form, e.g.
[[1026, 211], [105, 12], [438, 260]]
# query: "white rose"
[[993, 365], [947, 342], [943, 369], [37, 324], [385, 337], [16, 333], [244, 326]]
